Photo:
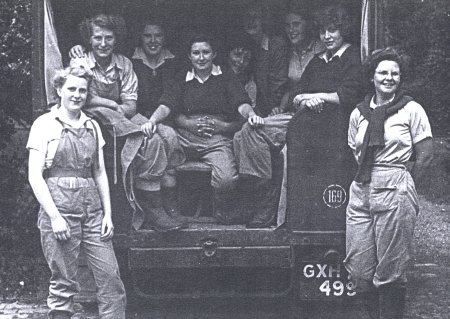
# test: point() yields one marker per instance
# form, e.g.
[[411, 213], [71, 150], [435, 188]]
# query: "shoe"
[[370, 301], [57, 314], [392, 301], [155, 215]]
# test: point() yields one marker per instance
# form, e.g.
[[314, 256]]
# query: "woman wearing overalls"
[[112, 100], [67, 174]]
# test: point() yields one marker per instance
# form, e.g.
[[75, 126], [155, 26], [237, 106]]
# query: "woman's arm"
[[101, 180], [424, 156], [247, 113], [160, 114], [127, 108], [36, 162]]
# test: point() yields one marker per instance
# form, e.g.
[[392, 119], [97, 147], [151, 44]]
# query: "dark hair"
[[262, 10], [61, 75], [334, 15], [114, 23], [240, 39], [201, 37], [297, 10], [379, 55]]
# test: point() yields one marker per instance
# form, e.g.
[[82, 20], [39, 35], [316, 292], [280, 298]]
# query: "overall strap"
[[97, 143]]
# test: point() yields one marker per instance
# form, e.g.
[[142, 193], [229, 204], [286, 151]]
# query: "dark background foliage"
[[419, 28]]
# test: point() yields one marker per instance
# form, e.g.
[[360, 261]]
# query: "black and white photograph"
[[224, 159]]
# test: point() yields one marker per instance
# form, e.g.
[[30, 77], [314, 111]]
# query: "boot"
[[266, 203], [155, 216], [56, 314], [170, 204], [225, 210], [370, 301], [392, 301]]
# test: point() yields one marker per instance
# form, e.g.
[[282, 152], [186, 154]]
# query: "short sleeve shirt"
[[120, 63], [46, 132], [402, 130]]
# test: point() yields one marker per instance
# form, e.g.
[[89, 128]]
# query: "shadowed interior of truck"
[[181, 18]]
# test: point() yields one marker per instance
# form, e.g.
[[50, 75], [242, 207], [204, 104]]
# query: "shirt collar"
[[57, 114], [115, 61], [139, 54], [373, 105], [338, 53], [310, 48], [190, 75], [265, 42]]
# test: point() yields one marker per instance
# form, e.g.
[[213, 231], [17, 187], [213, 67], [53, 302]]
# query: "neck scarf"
[[374, 137]]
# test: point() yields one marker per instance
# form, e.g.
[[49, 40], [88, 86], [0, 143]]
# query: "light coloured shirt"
[[338, 53], [45, 132], [251, 89], [191, 74], [298, 62], [120, 63], [139, 54], [402, 130]]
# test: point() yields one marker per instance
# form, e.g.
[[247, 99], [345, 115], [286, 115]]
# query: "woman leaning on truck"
[[67, 174], [385, 129]]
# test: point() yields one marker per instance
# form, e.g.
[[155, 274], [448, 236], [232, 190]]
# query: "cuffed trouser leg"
[[150, 164], [380, 224], [253, 146], [172, 147]]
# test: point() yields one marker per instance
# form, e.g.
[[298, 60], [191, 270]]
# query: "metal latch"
[[209, 247]]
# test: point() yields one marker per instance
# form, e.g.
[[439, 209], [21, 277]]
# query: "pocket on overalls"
[[387, 192], [93, 201], [63, 194]]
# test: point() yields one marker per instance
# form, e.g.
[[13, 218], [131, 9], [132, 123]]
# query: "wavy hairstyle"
[[114, 23], [379, 55], [61, 76], [336, 16]]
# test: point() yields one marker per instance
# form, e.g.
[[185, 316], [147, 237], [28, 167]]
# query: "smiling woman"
[[68, 177]]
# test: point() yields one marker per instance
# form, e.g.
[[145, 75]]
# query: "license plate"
[[325, 280]]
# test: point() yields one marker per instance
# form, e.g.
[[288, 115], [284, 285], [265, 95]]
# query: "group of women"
[[159, 116]]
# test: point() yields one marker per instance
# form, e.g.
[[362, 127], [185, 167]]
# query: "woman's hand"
[[60, 228], [315, 104], [107, 229], [149, 128], [275, 111], [206, 126], [255, 120], [77, 51], [312, 101]]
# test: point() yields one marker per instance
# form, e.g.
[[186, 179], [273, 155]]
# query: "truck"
[[299, 259]]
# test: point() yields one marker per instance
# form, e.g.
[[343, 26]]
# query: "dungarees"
[[76, 196], [156, 155]]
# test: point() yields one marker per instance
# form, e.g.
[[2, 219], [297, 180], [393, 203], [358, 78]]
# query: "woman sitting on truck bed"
[[208, 104], [329, 86], [112, 100]]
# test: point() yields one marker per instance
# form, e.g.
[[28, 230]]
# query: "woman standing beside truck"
[[385, 129], [67, 174]]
